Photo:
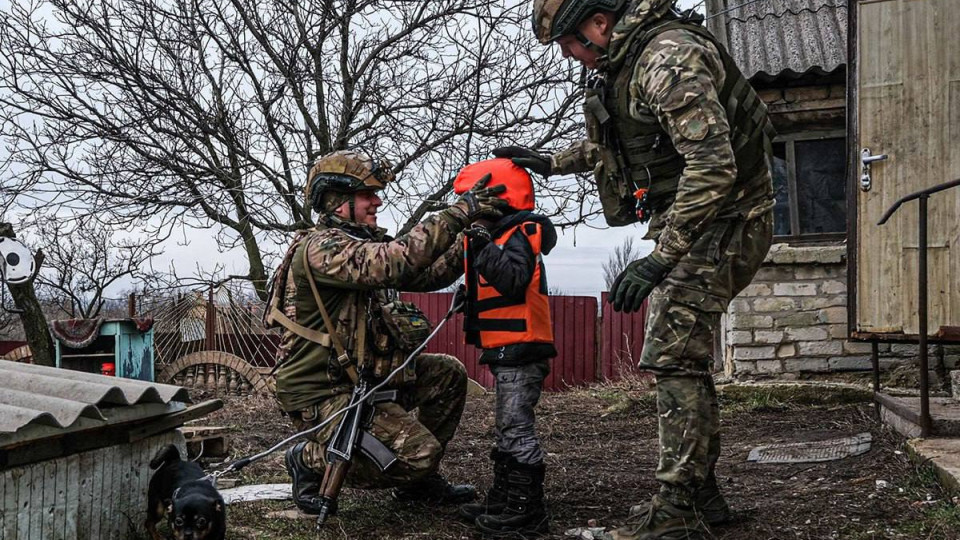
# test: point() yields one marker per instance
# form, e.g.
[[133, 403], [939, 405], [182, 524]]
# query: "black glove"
[[526, 158], [460, 299], [479, 236], [634, 284], [482, 202]]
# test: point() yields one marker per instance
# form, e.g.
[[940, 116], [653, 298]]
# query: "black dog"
[[180, 491]]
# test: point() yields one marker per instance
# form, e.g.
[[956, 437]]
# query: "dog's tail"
[[167, 454]]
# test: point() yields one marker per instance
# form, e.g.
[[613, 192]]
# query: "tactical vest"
[[357, 321], [493, 320], [638, 153]]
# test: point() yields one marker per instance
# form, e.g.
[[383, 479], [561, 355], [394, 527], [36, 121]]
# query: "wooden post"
[[132, 305], [211, 322]]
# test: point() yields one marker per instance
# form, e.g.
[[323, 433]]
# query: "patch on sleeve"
[[681, 103]]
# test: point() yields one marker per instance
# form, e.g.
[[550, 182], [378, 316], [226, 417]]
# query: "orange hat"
[[519, 193]]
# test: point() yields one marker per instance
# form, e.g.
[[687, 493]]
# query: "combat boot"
[[434, 489], [709, 503], [496, 500], [306, 481], [526, 512], [661, 520]]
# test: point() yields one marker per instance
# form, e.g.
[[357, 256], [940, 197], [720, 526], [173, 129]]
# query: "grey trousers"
[[518, 391]]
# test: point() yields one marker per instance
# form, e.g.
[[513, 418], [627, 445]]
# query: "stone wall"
[[793, 320]]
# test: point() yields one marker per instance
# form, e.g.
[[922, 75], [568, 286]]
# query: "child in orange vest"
[[507, 315]]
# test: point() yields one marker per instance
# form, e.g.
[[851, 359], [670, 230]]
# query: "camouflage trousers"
[[684, 317], [418, 439]]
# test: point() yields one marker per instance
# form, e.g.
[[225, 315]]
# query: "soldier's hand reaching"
[[482, 202], [528, 159], [637, 280]]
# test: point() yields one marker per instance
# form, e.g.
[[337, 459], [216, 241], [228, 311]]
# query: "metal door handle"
[[866, 159]]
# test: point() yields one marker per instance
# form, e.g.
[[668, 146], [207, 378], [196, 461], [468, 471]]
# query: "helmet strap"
[[587, 44], [352, 205]]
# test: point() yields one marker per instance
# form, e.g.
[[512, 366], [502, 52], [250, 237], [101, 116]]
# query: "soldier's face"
[[365, 204], [597, 29]]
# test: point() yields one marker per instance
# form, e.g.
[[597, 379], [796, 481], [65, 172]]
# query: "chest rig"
[[639, 168]]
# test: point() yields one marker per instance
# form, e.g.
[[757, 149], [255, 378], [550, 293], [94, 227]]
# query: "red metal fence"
[[578, 332]]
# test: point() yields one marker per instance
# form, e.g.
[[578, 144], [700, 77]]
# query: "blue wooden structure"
[[120, 342]]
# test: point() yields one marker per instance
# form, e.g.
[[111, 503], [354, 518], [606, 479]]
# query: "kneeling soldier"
[[333, 295], [507, 315]]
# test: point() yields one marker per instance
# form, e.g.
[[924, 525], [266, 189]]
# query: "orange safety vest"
[[496, 320]]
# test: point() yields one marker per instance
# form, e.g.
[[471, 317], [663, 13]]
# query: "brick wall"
[[792, 319]]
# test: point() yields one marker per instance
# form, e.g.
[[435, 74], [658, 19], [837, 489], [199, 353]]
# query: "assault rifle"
[[352, 433]]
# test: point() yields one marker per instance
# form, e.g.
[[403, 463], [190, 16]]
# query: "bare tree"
[[208, 113], [84, 260], [622, 255]]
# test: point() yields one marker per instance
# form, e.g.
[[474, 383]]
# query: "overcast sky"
[[574, 267]]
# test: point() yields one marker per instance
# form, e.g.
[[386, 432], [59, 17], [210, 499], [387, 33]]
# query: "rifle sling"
[[343, 358]]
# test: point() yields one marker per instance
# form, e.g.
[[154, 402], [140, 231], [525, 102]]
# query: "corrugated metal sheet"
[[621, 340], [38, 395], [770, 38]]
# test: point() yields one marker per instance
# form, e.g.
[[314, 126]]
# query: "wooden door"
[[908, 107]]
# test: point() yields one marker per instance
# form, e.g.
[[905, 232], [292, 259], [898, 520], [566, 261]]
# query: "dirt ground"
[[601, 445]]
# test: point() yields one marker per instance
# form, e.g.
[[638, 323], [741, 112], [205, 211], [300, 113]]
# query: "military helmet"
[[555, 18], [347, 171]]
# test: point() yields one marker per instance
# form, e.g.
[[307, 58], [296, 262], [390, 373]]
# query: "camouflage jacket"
[[661, 78], [353, 271]]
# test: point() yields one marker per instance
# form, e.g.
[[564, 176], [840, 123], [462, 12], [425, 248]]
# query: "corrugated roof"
[[769, 38], [60, 398]]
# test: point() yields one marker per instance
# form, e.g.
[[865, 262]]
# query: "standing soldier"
[[334, 297], [677, 136]]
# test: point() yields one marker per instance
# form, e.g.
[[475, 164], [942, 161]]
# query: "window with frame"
[[810, 186]]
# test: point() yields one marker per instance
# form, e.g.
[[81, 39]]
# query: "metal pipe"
[[925, 420], [875, 361]]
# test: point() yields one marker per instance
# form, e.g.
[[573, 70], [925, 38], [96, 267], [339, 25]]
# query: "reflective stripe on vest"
[[493, 320]]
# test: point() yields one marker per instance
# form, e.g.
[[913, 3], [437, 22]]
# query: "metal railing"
[[926, 421]]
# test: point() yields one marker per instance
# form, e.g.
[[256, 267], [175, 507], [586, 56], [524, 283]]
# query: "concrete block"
[[754, 353], [795, 289], [823, 301], [739, 305], [739, 337], [833, 287], [820, 348], [821, 272], [855, 347], [774, 304], [787, 350], [833, 315], [838, 331], [805, 364], [769, 366], [797, 319], [740, 366], [745, 322], [850, 363], [807, 334], [756, 289], [776, 274], [768, 336]]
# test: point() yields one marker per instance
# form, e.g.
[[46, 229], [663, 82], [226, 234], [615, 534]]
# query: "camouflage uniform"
[[354, 268], [711, 210]]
